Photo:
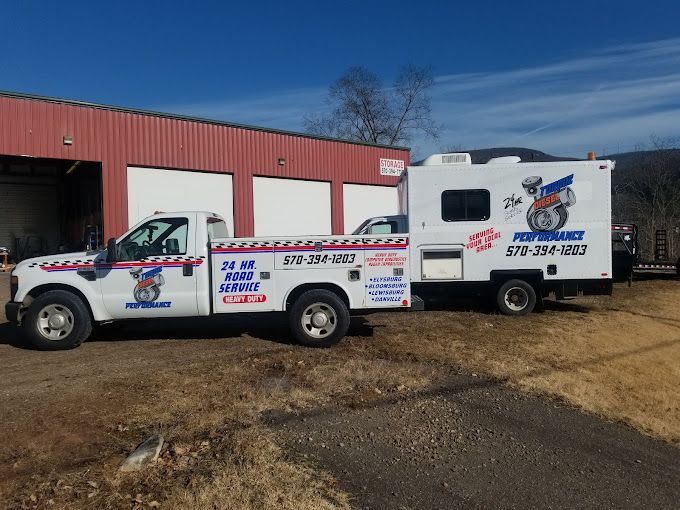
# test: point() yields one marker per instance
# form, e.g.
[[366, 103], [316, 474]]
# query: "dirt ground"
[[230, 395]]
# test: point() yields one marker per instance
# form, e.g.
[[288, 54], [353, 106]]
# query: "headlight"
[[13, 286]]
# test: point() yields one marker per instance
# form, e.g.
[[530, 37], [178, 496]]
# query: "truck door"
[[154, 274]]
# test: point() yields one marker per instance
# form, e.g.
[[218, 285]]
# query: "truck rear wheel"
[[57, 320], [319, 318], [516, 297]]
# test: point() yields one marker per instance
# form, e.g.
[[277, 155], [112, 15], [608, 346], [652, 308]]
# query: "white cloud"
[[278, 110], [611, 99]]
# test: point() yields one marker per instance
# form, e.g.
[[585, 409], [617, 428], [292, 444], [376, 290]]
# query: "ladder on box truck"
[[185, 265], [516, 232]]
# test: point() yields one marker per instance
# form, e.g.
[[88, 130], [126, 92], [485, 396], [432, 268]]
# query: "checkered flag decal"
[[55, 263], [389, 240], [244, 244], [168, 258]]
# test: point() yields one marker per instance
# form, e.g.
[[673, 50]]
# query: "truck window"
[[466, 205], [387, 227], [217, 229], [163, 236]]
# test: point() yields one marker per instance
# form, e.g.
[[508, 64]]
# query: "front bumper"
[[12, 311]]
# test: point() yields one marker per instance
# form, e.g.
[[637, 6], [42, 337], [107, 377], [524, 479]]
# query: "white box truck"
[[513, 231], [185, 265]]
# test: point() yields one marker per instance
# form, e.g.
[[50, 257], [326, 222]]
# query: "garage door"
[[157, 189], [361, 201], [291, 207], [30, 214]]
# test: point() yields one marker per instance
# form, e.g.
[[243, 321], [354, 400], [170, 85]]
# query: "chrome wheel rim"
[[55, 322], [319, 320], [516, 298]]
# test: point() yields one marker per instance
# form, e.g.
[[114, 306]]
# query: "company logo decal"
[[511, 206], [565, 235], [551, 201], [548, 212], [148, 288]]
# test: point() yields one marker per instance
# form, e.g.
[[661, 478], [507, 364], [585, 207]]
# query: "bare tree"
[[649, 194], [360, 108]]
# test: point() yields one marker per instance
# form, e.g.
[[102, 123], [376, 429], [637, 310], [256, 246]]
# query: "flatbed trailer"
[[626, 260]]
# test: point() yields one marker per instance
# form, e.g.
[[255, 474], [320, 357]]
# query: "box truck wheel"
[[319, 318], [516, 297], [57, 320]]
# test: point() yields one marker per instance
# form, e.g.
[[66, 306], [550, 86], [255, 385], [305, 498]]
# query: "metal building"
[[71, 170]]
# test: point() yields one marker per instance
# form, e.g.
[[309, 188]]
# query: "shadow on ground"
[[271, 327]]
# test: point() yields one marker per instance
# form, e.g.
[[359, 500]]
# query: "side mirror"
[[111, 255]]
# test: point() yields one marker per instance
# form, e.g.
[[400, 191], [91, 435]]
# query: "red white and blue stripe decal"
[[66, 266]]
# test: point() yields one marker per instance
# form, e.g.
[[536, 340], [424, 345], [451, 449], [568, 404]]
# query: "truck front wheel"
[[319, 318], [57, 320], [516, 297]]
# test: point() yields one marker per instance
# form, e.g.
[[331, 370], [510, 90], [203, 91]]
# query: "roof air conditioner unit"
[[454, 158]]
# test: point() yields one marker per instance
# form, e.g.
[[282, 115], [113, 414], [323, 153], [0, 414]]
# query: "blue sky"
[[560, 76]]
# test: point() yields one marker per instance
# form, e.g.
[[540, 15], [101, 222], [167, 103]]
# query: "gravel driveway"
[[478, 444]]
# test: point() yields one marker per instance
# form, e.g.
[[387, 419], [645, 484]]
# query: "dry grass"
[[205, 399], [259, 476], [618, 357]]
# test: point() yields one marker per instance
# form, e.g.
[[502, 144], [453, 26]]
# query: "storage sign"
[[393, 167]]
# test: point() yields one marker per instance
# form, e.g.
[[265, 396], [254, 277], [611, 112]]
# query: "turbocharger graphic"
[[548, 212], [148, 283]]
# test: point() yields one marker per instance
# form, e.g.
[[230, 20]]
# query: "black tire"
[[516, 297], [63, 303], [326, 303]]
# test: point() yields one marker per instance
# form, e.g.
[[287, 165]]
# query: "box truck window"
[[466, 205]]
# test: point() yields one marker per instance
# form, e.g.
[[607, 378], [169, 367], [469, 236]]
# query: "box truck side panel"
[[551, 218]]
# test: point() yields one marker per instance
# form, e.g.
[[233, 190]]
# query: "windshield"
[[161, 236]]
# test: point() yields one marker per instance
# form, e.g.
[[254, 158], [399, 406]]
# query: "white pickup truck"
[[185, 265]]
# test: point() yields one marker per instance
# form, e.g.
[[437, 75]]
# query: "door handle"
[[88, 273], [187, 269]]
